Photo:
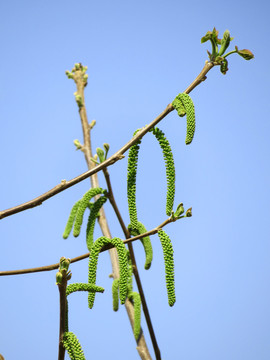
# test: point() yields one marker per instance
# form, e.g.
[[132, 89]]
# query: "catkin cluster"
[[184, 105], [123, 265], [77, 212], [170, 169], [140, 229], [169, 265], [73, 347]]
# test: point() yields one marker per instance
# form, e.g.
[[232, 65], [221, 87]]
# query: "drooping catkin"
[[115, 294], [71, 219], [130, 274], [131, 181], [169, 265], [73, 347], [140, 229], [92, 220], [83, 287], [123, 266], [82, 207], [170, 168], [183, 103], [135, 297]]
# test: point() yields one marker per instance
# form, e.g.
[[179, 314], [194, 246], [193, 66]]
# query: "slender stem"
[[114, 158], [229, 53], [63, 305], [85, 256], [134, 266]]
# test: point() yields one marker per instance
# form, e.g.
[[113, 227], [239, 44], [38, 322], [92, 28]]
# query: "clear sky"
[[140, 55]]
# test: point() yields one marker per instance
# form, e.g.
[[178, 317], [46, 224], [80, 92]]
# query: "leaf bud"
[[225, 42], [100, 154], [189, 212], [246, 54], [179, 211], [59, 278], [64, 263], [106, 147], [77, 143]]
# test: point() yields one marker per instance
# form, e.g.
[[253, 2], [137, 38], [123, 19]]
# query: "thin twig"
[[134, 266], [114, 158], [84, 256], [63, 305]]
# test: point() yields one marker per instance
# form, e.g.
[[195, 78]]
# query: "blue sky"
[[140, 55]]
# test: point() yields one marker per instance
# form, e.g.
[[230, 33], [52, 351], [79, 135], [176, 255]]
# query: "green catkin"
[[170, 168], [135, 297], [140, 229], [71, 219], [123, 266], [130, 275], [66, 319], [83, 287], [169, 265], [184, 104], [131, 181], [73, 347], [83, 204], [92, 220], [115, 294]]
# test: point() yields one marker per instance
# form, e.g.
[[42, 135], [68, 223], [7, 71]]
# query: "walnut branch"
[[85, 256], [114, 158]]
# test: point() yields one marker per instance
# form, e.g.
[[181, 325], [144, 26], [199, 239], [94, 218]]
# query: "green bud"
[[189, 212], [246, 54], [59, 278], [77, 66], [69, 74], [77, 143], [69, 274], [225, 42], [78, 99], [106, 148], [64, 263], [92, 124], [84, 69], [179, 211], [100, 154]]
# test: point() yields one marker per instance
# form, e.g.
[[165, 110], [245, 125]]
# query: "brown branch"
[[85, 256], [62, 278], [114, 158], [134, 266], [63, 305]]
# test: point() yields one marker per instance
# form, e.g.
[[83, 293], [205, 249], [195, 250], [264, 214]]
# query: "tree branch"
[[85, 256], [114, 158]]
